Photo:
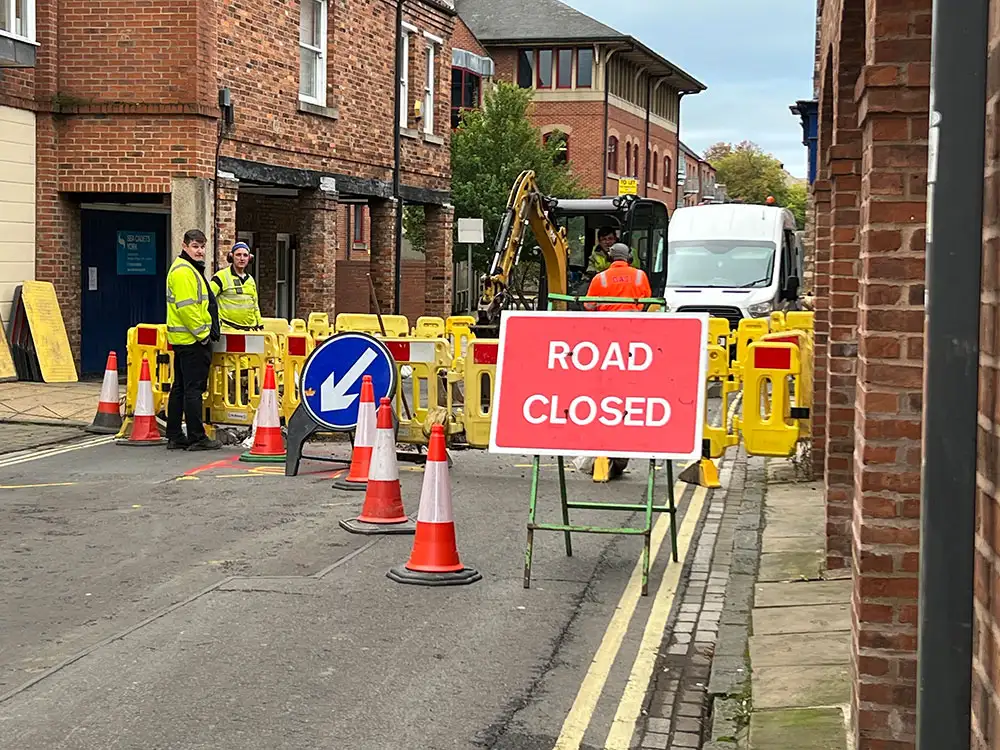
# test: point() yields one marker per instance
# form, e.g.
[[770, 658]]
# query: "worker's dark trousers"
[[191, 364]]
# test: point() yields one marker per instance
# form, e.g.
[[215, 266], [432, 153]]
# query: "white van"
[[733, 260]]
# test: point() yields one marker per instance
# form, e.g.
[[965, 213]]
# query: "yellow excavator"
[[565, 230]]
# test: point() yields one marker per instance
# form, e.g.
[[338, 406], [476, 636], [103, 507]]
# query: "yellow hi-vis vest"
[[188, 318], [237, 299]]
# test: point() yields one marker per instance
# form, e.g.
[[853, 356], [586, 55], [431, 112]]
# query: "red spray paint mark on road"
[[224, 463]]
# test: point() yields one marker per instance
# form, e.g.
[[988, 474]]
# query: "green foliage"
[[490, 148], [414, 228], [716, 152], [748, 173], [795, 201]]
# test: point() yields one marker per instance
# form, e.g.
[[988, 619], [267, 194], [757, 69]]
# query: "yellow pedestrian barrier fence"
[[762, 372]]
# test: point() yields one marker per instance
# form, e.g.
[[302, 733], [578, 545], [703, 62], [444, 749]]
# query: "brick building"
[[131, 145], [868, 222], [696, 180], [614, 100]]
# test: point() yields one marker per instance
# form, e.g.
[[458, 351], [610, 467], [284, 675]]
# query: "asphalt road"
[[150, 604]]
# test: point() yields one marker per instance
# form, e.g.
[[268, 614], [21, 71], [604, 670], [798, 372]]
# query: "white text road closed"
[[623, 384]]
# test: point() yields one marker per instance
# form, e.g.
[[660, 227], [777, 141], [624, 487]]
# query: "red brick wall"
[[985, 679], [870, 208], [463, 38], [353, 294]]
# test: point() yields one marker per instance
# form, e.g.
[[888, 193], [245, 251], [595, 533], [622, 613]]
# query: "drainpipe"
[[948, 472], [607, 91], [649, 104], [677, 153], [397, 109]]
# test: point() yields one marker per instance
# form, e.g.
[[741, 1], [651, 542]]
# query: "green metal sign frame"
[[648, 508]]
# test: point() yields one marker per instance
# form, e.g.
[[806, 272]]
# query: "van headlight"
[[761, 309]]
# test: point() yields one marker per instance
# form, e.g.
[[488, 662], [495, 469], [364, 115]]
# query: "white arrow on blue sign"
[[331, 378]]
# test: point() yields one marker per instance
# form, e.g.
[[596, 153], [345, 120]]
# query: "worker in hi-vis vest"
[[192, 326], [236, 291]]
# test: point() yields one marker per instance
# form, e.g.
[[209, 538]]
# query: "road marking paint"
[[32, 486], [623, 726], [578, 720], [221, 464], [54, 451]]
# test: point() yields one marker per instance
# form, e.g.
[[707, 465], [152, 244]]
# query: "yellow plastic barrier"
[[319, 326], [294, 349], [429, 327], [422, 365], [396, 326], [718, 372], [149, 341], [276, 325], [777, 321], [750, 330], [802, 320], [768, 427], [480, 379], [236, 376], [458, 328]]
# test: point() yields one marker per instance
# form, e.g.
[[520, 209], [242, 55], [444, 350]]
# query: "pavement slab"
[[801, 685], [794, 650], [805, 619], [797, 593], [790, 566], [798, 729]]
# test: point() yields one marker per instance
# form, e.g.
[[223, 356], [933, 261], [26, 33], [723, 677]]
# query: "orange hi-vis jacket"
[[619, 280]]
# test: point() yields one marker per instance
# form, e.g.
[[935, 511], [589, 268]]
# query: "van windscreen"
[[720, 263]]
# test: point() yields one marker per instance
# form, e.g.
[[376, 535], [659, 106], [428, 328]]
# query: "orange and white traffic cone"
[[144, 428], [268, 445], [364, 440], [108, 420], [434, 559], [383, 511]]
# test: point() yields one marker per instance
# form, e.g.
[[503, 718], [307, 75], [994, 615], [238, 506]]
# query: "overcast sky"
[[755, 57]]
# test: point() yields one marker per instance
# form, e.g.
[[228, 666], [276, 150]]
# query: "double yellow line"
[[629, 708]]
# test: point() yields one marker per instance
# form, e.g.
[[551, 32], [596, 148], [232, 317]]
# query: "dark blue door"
[[124, 269]]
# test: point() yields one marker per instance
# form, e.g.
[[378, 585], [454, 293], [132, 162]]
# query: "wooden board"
[[7, 369], [48, 332]]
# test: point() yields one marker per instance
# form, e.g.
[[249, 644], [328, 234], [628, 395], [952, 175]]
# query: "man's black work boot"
[[178, 444], [205, 444]]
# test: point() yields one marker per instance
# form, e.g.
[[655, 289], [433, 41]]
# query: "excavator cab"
[[566, 233]]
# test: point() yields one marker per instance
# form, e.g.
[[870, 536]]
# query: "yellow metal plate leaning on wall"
[[7, 369], [55, 358]]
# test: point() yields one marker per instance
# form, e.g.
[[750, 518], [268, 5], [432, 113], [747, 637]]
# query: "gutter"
[[959, 52]]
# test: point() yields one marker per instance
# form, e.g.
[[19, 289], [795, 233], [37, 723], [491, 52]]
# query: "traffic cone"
[[383, 511], [108, 420], [144, 429], [434, 558], [268, 445], [364, 440]]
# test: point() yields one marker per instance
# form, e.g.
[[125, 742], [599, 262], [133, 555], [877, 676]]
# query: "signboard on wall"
[[628, 186], [136, 253]]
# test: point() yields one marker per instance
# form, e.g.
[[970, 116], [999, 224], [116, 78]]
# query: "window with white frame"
[[17, 19], [312, 51], [430, 79], [404, 77]]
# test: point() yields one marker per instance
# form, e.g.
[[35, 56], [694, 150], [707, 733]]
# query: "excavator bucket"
[[703, 473]]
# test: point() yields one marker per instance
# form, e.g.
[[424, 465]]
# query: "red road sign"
[[600, 384]]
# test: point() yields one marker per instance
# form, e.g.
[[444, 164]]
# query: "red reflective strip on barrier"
[[766, 358], [785, 340], [236, 343], [146, 336], [400, 350], [485, 354], [296, 346]]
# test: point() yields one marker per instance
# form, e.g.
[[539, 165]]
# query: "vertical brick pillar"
[[438, 262], [821, 302], [985, 680], [383, 252], [842, 346], [317, 275], [229, 189], [893, 106]]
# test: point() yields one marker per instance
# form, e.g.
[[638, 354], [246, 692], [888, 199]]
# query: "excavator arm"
[[526, 206]]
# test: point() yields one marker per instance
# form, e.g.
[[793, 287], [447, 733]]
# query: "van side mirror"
[[792, 288]]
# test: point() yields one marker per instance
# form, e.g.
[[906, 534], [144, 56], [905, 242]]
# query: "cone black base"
[[140, 443], [97, 429], [353, 525], [402, 574], [252, 459], [343, 484]]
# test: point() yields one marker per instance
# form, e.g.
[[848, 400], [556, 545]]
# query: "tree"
[[716, 152], [796, 203], [750, 174], [490, 148]]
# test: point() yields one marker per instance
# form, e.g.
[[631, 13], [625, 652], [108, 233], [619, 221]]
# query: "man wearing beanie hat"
[[619, 280], [236, 291]]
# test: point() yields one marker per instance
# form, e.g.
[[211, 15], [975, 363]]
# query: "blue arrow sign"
[[331, 378]]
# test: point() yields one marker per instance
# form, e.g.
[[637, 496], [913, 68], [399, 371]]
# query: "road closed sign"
[[600, 384]]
